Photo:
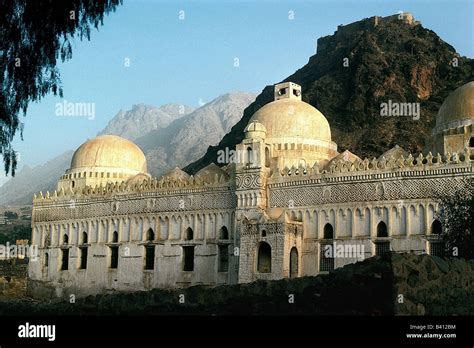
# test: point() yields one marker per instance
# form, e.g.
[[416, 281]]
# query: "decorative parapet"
[[378, 168], [170, 200], [423, 177], [162, 186]]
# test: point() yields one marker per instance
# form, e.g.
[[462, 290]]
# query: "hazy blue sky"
[[185, 61]]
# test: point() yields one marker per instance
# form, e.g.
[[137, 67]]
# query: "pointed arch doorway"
[[293, 262]]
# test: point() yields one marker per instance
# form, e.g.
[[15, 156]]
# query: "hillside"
[[19, 190], [142, 119], [187, 138], [170, 135], [393, 60]]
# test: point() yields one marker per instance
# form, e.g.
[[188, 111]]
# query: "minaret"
[[252, 168]]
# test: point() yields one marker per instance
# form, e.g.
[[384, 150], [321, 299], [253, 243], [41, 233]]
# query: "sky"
[[190, 52]]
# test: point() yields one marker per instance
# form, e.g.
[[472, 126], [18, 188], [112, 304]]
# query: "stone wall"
[[433, 286], [429, 285]]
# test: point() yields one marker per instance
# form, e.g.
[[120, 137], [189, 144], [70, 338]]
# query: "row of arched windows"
[[150, 235], [328, 230], [382, 231], [381, 246], [188, 262], [264, 253]]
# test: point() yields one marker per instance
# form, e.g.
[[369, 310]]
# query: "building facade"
[[286, 204]]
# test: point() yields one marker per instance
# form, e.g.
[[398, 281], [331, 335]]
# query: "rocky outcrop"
[[141, 119], [187, 138], [388, 59]]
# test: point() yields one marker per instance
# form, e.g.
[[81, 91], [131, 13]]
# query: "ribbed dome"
[[255, 126], [457, 109], [109, 151], [292, 118], [255, 129]]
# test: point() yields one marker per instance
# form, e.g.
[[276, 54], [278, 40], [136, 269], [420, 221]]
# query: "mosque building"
[[291, 206]]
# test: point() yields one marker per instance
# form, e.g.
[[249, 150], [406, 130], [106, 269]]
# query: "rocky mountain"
[[142, 119], [170, 135], [19, 190], [360, 66], [187, 138]]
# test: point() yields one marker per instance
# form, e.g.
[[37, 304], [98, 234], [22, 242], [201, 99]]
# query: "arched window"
[[382, 246], [328, 231], [436, 227], [83, 252], [115, 237], [73, 183], [223, 233], [150, 257], [83, 264], [267, 157], [114, 256], [189, 234], [223, 262], [188, 258], [293, 262], [150, 235], [46, 260], [65, 239], [437, 246], [382, 229], [471, 142], [264, 258], [64, 259], [249, 156], [326, 256], [264, 233]]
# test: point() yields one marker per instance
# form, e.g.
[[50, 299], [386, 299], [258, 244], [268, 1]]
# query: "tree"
[[20, 232], [457, 219], [33, 35], [11, 215]]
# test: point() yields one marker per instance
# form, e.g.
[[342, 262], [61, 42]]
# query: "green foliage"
[[33, 35], [458, 223], [11, 215], [19, 232], [4, 239]]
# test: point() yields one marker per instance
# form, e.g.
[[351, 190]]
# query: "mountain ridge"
[[390, 59], [206, 125]]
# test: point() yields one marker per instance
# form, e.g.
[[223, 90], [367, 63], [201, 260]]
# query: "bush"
[[456, 217]]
